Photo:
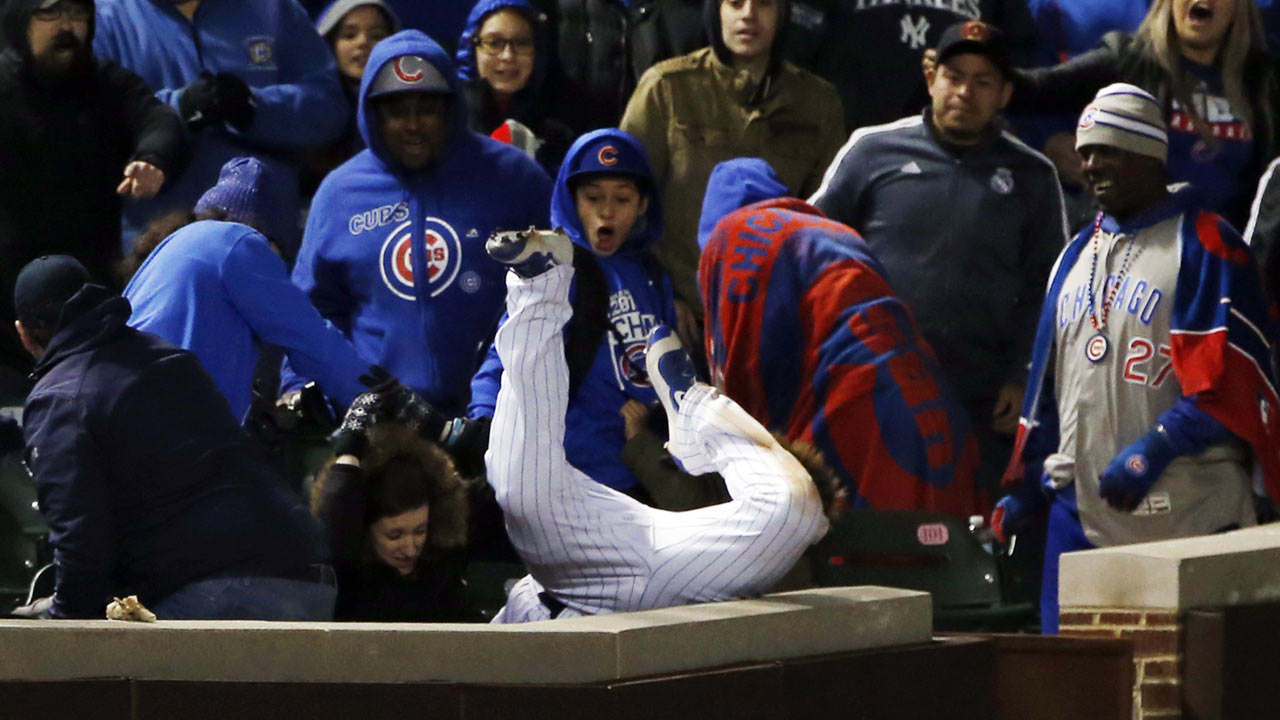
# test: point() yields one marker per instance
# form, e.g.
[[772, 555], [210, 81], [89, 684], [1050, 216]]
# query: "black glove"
[[467, 440], [235, 100], [198, 103], [352, 436], [418, 414]]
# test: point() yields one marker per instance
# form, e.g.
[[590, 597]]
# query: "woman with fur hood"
[[394, 510]]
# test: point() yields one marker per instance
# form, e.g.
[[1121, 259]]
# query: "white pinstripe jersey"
[[600, 551]]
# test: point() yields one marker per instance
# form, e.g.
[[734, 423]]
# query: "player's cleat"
[[670, 368], [530, 252]]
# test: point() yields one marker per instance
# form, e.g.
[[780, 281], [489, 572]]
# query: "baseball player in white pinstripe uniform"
[[590, 549]]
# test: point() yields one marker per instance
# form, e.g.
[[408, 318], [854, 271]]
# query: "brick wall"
[[1156, 636]]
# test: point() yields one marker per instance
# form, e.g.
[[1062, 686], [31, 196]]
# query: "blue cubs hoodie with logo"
[[423, 310], [639, 297], [269, 44]]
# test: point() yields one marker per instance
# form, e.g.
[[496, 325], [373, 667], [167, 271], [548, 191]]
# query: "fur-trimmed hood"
[[446, 490]]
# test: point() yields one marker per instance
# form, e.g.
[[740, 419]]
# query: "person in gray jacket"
[[967, 220]]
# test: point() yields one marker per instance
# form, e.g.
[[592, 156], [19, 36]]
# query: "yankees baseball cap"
[[408, 73], [975, 36]]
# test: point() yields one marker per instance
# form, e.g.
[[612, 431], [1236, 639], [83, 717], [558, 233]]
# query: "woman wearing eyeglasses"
[[502, 60]]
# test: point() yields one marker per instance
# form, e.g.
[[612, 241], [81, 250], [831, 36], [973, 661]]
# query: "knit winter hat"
[[1127, 117], [251, 192]]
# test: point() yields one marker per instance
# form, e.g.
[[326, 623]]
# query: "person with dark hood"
[[393, 252], [76, 135], [736, 98], [350, 28], [148, 483], [218, 287], [503, 61]]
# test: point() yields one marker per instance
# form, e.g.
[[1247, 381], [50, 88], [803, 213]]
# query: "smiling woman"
[[1205, 62]]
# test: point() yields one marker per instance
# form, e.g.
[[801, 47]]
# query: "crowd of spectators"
[[298, 193]]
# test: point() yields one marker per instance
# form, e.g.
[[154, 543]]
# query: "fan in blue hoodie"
[[605, 201], [393, 252], [218, 288], [249, 78], [495, 108]]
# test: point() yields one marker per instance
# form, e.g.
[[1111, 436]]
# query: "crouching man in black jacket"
[[148, 485]]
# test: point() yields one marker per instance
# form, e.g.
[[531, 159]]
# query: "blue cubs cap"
[[44, 286], [251, 192], [408, 73], [608, 156]]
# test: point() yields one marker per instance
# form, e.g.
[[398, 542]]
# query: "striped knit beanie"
[[1127, 117]]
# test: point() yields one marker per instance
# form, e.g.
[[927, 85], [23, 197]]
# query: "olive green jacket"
[[692, 112]]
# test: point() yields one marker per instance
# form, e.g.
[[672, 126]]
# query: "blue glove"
[[1129, 477], [1016, 511]]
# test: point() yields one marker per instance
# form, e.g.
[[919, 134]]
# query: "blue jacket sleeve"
[[74, 500], [279, 313], [307, 108], [327, 293], [1191, 430], [486, 383]]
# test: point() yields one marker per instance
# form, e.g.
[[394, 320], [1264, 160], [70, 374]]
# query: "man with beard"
[[76, 134]]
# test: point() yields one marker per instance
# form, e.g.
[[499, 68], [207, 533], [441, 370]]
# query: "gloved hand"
[[352, 436], [467, 440], [234, 100], [41, 608], [1016, 511], [198, 103], [418, 414], [1129, 477], [212, 99]]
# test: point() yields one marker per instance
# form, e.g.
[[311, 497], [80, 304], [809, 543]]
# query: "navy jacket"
[[143, 473]]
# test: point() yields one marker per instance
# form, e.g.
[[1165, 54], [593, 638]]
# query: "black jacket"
[[142, 472], [604, 46], [63, 150]]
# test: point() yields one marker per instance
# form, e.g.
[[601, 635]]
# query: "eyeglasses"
[[493, 45], [75, 11]]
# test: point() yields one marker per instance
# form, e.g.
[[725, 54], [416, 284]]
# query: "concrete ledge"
[[1234, 568], [579, 650]]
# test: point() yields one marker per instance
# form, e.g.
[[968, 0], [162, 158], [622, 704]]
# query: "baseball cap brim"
[[408, 73]]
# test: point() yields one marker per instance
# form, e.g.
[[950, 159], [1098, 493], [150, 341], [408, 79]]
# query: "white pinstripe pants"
[[597, 550]]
